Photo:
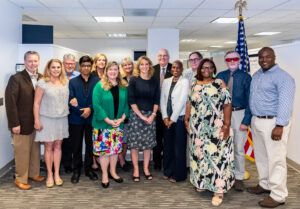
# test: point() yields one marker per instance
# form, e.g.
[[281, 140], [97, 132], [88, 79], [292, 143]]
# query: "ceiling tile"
[[169, 4], [61, 3], [106, 12], [141, 4], [27, 3], [101, 4], [174, 12]]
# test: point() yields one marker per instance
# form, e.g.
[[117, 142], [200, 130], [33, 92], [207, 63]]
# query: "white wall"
[[114, 49], [167, 38], [47, 52], [287, 56], [10, 37]]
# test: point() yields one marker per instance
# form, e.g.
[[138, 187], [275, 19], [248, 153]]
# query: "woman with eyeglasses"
[[207, 117], [173, 99]]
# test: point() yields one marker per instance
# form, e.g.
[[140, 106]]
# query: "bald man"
[[161, 71], [271, 102]]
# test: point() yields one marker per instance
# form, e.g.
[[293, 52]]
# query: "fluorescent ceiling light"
[[202, 50], [109, 19], [216, 46], [230, 42], [225, 20], [266, 33], [188, 40], [117, 35]]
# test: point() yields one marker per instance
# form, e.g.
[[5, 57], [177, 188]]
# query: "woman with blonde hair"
[[126, 70], [143, 96], [100, 63], [51, 116], [110, 110]]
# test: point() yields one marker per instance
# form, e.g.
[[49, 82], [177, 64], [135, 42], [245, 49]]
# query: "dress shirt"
[[240, 91], [73, 74], [33, 77], [189, 74], [272, 93]]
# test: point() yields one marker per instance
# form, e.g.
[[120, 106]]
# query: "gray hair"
[[31, 53], [69, 56]]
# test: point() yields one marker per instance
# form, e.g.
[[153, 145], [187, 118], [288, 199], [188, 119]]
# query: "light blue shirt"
[[73, 74], [272, 94]]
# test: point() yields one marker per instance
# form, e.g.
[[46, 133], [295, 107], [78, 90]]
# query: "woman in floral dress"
[[208, 114]]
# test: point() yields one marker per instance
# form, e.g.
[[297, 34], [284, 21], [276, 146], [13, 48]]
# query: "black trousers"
[[66, 155], [76, 135], [175, 150], [158, 149]]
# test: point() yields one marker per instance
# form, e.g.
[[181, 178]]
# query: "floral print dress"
[[211, 158]]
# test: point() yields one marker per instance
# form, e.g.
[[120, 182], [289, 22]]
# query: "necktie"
[[230, 82], [162, 75]]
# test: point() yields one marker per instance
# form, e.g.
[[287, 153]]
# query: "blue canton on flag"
[[241, 47]]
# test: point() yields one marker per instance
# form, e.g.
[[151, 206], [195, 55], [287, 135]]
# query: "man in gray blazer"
[[19, 97]]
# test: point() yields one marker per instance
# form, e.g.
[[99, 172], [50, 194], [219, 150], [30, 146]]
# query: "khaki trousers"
[[27, 157], [270, 157], [239, 140]]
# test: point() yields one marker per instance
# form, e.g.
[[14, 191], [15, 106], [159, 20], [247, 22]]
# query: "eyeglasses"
[[235, 59], [69, 63], [194, 60], [85, 66], [207, 68]]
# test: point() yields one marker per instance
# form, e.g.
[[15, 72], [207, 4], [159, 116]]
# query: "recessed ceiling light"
[[225, 20], [109, 19], [216, 46], [230, 42], [188, 40], [117, 35], [266, 33]]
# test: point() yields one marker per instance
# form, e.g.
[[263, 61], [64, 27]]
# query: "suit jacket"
[[19, 98], [157, 71], [179, 97]]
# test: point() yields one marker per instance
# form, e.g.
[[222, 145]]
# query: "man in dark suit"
[[161, 71], [19, 97]]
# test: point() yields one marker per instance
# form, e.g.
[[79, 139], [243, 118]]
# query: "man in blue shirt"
[[80, 118], [271, 102], [238, 83]]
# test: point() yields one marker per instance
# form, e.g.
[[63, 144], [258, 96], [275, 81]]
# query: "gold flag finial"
[[240, 4]]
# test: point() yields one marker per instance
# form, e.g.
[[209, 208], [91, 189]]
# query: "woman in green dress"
[[207, 118]]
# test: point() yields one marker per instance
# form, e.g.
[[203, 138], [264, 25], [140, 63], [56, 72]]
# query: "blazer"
[[103, 105], [157, 71], [19, 98], [179, 97]]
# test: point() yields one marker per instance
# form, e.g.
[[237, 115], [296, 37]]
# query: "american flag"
[[241, 46], [242, 49]]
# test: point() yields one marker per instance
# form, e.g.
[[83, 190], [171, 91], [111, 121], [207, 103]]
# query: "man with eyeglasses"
[[194, 62], [80, 118], [69, 63], [161, 71], [238, 83], [271, 101]]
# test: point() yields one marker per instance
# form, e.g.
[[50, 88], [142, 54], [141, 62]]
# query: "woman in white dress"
[[51, 116]]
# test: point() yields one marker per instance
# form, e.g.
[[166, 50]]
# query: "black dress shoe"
[[68, 170], [92, 176], [75, 178], [119, 180], [105, 185]]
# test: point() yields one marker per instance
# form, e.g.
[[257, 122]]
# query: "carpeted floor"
[[158, 193]]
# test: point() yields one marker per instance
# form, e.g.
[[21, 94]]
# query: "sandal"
[[136, 178], [148, 177], [199, 190], [217, 199], [172, 180]]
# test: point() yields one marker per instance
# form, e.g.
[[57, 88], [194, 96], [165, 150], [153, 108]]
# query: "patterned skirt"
[[141, 136], [107, 141]]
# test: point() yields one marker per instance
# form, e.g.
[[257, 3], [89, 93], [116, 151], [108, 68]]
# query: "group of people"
[[174, 112]]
